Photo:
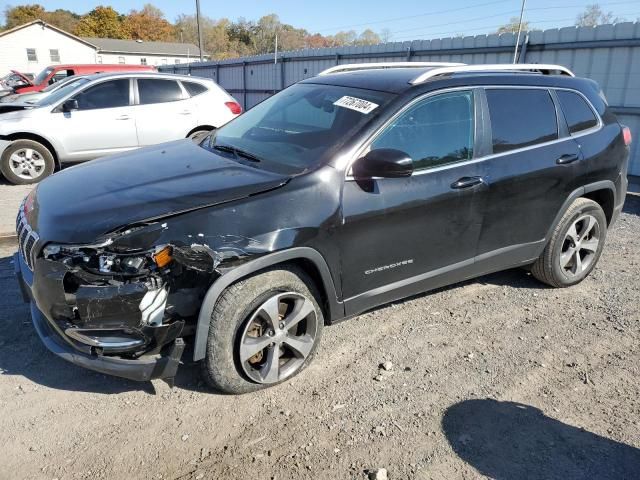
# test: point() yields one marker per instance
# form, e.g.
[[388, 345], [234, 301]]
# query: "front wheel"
[[25, 161], [264, 330], [574, 247]]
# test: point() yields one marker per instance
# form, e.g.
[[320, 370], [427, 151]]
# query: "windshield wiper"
[[237, 152]]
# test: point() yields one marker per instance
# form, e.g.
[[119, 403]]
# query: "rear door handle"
[[467, 182], [568, 158], [185, 112], [123, 117]]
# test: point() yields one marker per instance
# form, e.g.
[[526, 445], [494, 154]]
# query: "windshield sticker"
[[357, 104]]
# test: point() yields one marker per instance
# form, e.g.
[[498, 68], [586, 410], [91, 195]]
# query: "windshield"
[[300, 126], [62, 92], [42, 76], [60, 83]]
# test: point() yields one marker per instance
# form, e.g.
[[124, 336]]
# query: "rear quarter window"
[[194, 88], [521, 117], [577, 112]]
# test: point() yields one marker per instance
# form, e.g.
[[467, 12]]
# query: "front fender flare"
[[335, 306]]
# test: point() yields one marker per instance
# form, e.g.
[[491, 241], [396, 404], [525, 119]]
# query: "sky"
[[405, 19]]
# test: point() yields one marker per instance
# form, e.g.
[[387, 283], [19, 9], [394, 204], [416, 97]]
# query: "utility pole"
[[199, 31], [515, 52], [275, 53]]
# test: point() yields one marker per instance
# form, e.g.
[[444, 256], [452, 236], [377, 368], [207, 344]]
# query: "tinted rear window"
[[520, 118], [153, 90], [578, 114], [194, 88]]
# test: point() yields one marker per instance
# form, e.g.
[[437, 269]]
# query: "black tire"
[[235, 308], [42, 152], [547, 268]]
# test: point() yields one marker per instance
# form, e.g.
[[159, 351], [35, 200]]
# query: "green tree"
[[103, 22], [593, 15], [513, 25]]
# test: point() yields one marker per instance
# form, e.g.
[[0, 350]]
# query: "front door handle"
[[467, 182], [568, 158], [185, 112], [123, 117]]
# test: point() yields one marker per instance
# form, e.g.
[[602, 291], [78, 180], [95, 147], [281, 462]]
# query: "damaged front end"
[[112, 302]]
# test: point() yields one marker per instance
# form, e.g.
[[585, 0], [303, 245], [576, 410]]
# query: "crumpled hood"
[[17, 108], [81, 203]]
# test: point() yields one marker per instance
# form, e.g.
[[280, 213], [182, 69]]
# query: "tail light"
[[235, 107], [626, 134]]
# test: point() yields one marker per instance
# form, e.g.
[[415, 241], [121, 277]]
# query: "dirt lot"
[[498, 377]]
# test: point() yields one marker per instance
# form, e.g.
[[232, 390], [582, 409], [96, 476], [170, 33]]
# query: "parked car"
[[13, 79], [104, 114], [339, 194], [55, 73], [33, 97]]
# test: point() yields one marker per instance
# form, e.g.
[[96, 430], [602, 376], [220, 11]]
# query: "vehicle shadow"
[[632, 204], [507, 440], [22, 354]]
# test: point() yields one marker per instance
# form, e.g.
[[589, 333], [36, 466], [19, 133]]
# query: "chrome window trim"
[[360, 150]]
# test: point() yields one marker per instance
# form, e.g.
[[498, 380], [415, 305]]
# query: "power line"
[[468, 7], [488, 27], [408, 17]]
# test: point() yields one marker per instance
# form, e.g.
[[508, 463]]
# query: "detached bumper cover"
[[146, 367]]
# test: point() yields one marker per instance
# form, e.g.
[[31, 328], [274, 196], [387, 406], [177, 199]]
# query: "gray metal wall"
[[609, 54]]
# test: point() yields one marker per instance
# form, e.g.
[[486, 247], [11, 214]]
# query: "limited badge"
[[357, 104]]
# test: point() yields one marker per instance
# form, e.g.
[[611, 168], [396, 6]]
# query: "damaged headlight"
[[99, 259]]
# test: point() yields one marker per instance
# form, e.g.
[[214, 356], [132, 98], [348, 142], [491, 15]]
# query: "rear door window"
[[578, 114], [521, 117], [155, 90]]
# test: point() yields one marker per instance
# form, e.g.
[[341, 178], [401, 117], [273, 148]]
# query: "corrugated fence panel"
[[609, 54]]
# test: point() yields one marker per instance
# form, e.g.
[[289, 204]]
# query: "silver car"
[[104, 114]]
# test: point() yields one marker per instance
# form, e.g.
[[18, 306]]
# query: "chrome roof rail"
[[349, 67], [547, 69]]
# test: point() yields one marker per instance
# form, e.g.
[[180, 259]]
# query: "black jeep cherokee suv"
[[343, 192]]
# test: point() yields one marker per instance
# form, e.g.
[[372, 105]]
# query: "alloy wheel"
[[278, 337], [26, 163], [580, 245]]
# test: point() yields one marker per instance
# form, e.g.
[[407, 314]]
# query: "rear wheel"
[[25, 161], [198, 135], [574, 247], [264, 330]]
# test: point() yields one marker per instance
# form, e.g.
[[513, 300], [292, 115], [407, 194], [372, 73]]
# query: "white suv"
[[105, 114]]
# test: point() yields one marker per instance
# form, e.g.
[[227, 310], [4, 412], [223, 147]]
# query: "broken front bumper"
[[161, 363]]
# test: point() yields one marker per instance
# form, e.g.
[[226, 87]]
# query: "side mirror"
[[69, 105], [385, 163]]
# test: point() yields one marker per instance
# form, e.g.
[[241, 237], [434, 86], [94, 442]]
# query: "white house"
[[31, 47], [137, 52]]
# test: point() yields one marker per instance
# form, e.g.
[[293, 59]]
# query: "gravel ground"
[[11, 197], [499, 377]]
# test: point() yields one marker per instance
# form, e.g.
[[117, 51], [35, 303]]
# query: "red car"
[[54, 73]]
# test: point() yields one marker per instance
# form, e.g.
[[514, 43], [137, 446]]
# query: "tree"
[[148, 24], [385, 35], [593, 16], [63, 19], [513, 26], [368, 37], [343, 38], [15, 16], [103, 22]]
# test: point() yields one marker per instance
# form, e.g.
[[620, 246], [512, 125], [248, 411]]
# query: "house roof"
[[45, 24], [114, 45]]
